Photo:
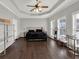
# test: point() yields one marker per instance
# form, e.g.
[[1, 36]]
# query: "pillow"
[[38, 30], [31, 30]]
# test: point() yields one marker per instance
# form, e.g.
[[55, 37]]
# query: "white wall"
[[34, 22], [49, 26], [5, 13], [68, 13]]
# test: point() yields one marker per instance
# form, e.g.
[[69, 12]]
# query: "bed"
[[37, 35]]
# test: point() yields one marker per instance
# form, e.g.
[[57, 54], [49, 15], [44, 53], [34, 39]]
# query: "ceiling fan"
[[38, 6]]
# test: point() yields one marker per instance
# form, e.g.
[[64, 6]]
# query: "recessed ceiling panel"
[[21, 5]]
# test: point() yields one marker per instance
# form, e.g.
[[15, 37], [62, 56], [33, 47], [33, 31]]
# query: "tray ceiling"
[[20, 9]]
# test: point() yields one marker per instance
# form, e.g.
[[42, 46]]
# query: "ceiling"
[[20, 9]]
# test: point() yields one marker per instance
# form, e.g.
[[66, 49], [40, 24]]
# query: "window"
[[15, 27], [1, 32], [76, 28], [52, 27], [61, 27], [76, 25]]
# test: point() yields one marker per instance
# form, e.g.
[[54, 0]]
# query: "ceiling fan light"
[[36, 10], [40, 9]]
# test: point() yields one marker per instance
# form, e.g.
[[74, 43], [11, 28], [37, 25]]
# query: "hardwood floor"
[[37, 50]]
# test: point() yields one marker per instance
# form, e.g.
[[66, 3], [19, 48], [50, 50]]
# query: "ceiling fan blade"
[[30, 6], [36, 0], [44, 6], [36, 10], [33, 9]]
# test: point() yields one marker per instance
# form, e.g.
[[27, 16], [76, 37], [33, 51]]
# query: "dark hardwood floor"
[[37, 50]]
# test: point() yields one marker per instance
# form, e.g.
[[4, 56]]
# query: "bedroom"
[[63, 16]]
